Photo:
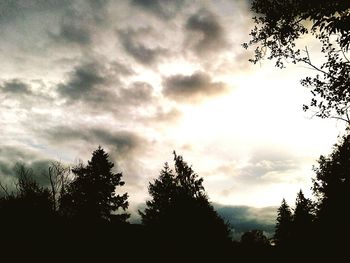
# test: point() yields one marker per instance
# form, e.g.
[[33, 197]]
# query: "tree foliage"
[[254, 239], [332, 188], [283, 229], [279, 24], [180, 210], [303, 221], [92, 193]]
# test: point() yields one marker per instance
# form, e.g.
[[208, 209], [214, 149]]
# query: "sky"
[[143, 78]]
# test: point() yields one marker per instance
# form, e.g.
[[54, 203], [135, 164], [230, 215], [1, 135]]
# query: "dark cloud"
[[164, 9], [136, 49], [71, 33], [122, 142], [10, 156], [192, 88], [245, 218], [15, 153], [15, 86], [5, 169], [102, 88], [13, 9], [205, 33], [83, 80]]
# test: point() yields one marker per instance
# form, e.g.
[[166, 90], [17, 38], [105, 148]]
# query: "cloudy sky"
[[142, 78]]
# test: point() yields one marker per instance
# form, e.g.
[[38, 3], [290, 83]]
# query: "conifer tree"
[[92, 194], [181, 213], [283, 229], [302, 221]]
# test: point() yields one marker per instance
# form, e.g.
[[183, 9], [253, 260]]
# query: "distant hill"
[[241, 218], [245, 218]]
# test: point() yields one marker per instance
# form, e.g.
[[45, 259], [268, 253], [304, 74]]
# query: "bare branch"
[[5, 189]]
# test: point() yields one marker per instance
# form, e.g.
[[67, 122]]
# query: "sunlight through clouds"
[[143, 80]]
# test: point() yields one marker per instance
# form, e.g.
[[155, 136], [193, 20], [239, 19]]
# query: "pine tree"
[[283, 229], [181, 214], [92, 195], [302, 221]]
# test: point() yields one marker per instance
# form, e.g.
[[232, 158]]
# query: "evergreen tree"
[[332, 188], [181, 214], [302, 221], [91, 195], [283, 229], [303, 218]]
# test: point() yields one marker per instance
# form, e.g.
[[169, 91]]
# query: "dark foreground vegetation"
[[80, 217]]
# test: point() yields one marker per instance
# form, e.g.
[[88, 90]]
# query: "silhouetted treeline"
[[79, 216], [318, 229]]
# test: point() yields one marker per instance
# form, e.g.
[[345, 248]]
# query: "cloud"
[[83, 81], [22, 95], [192, 88], [162, 115], [245, 218], [15, 86], [138, 93], [10, 10], [122, 142], [205, 33], [165, 9], [12, 155], [137, 49], [101, 87], [71, 33], [270, 165]]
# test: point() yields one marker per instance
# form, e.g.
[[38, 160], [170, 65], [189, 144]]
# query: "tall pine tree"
[[91, 195], [283, 229], [181, 214], [303, 218]]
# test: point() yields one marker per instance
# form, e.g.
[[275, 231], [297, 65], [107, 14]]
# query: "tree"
[[58, 175], [91, 195], [279, 25], [180, 212], [332, 189], [303, 218], [283, 229], [31, 198], [254, 239]]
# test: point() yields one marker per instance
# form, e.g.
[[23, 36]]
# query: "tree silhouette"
[[332, 188], [91, 195], [278, 26], [303, 222], [59, 178], [254, 239], [180, 212], [30, 199], [283, 229]]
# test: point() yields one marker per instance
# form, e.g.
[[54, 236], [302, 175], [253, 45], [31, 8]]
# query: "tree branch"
[[4, 188], [308, 62]]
